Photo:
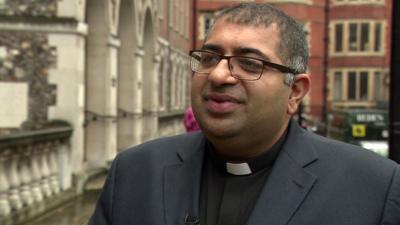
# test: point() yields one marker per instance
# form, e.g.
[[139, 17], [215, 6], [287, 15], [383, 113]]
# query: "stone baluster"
[[14, 180], [44, 168], [26, 177], [65, 166], [36, 175], [5, 208], [54, 170]]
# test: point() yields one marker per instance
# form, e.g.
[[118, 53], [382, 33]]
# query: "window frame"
[[372, 25], [371, 98], [357, 2], [202, 22], [306, 2]]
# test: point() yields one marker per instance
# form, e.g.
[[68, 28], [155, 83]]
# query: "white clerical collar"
[[238, 168], [252, 166]]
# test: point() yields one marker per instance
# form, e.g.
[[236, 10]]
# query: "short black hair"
[[293, 45]]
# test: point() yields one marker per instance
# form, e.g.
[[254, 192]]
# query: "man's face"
[[226, 107]]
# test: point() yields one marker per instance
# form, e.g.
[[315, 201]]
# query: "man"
[[250, 164]]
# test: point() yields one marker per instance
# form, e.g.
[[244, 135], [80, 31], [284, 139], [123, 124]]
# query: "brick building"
[[359, 52]]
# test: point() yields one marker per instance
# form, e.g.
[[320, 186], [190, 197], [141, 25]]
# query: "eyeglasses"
[[241, 67]]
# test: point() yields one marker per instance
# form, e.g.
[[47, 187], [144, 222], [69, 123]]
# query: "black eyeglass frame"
[[281, 68]]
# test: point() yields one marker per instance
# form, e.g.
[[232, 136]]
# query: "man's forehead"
[[236, 50], [258, 28], [245, 39], [250, 24]]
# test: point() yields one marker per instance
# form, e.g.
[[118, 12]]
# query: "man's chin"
[[220, 132]]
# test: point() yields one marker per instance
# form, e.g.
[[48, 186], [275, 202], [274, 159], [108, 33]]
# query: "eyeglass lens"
[[240, 67]]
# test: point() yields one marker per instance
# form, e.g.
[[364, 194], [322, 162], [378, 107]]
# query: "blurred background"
[[81, 80]]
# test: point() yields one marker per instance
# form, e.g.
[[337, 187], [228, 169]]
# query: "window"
[[178, 81], [364, 42], [357, 2], [339, 37], [357, 38], [351, 85], [178, 87], [291, 1], [337, 85], [363, 85], [162, 94], [173, 87], [357, 86], [182, 83], [353, 37], [377, 85], [206, 21], [378, 38], [307, 30]]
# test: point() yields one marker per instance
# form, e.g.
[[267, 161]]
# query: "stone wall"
[[46, 8], [27, 57]]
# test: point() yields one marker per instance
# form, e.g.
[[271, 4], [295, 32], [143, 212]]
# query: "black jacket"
[[314, 181]]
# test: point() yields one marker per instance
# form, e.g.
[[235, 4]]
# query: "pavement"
[[75, 212], [67, 208]]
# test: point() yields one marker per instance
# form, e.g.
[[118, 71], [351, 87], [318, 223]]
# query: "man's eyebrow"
[[247, 50], [236, 51], [212, 47]]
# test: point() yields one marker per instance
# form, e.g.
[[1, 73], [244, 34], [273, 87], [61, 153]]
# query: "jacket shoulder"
[[166, 149], [350, 157]]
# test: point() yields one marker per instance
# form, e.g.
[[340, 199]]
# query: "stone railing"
[[33, 166]]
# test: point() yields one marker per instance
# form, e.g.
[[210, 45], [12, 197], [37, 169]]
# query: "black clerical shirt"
[[226, 198]]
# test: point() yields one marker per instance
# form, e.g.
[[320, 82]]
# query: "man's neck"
[[242, 149]]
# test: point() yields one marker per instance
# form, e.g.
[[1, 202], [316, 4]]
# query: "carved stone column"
[[64, 166], [26, 176], [44, 168], [173, 84], [54, 184], [14, 179], [5, 207], [130, 116], [37, 176]]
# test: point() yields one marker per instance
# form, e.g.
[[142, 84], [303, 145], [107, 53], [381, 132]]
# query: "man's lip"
[[221, 104], [217, 97]]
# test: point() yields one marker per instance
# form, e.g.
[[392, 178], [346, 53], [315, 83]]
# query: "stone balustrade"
[[33, 166]]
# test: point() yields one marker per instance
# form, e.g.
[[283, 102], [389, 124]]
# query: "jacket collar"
[[299, 145]]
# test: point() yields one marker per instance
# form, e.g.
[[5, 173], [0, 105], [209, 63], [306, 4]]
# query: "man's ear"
[[299, 89]]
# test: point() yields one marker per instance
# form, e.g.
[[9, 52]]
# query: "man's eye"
[[208, 60], [250, 65]]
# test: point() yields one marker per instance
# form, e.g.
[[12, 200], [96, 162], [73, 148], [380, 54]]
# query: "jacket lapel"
[[289, 181], [182, 183]]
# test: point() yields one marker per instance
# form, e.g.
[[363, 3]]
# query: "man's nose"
[[221, 74]]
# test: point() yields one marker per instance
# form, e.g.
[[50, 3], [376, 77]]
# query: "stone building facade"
[[102, 75]]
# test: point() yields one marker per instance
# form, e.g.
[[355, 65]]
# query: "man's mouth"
[[221, 103]]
